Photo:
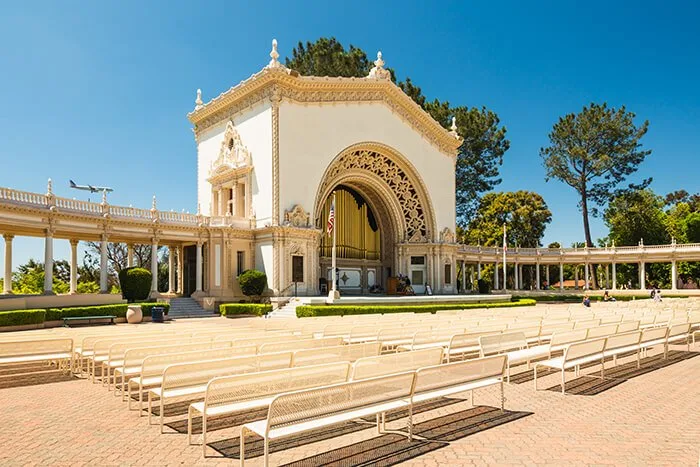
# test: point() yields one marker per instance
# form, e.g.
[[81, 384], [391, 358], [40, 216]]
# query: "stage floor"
[[405, 299]]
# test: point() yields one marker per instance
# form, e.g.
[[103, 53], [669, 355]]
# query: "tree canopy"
[[594, 151], [525, 214], [480, 156]]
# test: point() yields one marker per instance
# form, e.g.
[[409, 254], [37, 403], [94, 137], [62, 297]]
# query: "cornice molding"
[[309, 90]]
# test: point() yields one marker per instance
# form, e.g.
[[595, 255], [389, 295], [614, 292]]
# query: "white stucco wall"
[[255, 128], [311, 136]]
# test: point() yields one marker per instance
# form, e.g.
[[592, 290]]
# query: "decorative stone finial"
[[453, 128], [274, 55], [198, 104], [378, 71], [153, 204], [104, 196], [49, 188]]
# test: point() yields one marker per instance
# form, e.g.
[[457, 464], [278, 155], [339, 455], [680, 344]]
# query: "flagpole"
[[334, 293], [504, 256]]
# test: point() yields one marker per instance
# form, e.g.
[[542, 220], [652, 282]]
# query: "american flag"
[[331, 219]]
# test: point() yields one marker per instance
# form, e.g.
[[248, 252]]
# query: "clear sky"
[[98, 91]]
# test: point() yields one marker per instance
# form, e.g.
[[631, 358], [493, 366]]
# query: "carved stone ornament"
[[232, 154], [447, 236], [398, 181], [297, 217], [378, 71]]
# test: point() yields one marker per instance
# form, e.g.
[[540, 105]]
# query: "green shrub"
[[342, 310], [21, 317], [146, 308], [55, 314], [252, 283], [484, 287], [571, 298], [135, 283], [258, 309]]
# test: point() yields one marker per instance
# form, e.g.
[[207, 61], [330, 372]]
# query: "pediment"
[[233, 154]]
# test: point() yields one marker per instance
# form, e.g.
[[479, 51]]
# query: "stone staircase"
[[187, 307], [286, 311]]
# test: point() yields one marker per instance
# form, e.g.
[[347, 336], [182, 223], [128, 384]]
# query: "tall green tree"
[[593, 152], [480, 156], [525, 213], [637, 216]]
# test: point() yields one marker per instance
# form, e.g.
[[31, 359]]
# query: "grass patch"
[[306, 311]]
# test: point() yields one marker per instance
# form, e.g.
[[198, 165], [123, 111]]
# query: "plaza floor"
[[633, 417]]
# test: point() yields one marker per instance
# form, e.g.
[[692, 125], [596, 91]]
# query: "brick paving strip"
[[651, 417]]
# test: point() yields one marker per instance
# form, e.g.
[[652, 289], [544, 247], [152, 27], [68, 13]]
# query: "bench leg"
[[410, 422], [639, 354], [563, 380], [471, 397], [508, 368], [162, 409], [534, 372], [602, 367], [503, 397], [242, 447], [150, 406], [266, 461], [141, 400], [379, 424]]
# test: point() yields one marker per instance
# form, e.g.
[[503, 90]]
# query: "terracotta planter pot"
[[134, 315]]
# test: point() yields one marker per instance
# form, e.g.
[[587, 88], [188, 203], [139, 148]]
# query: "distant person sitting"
[[657, 295], [607, 297], [586, 301]]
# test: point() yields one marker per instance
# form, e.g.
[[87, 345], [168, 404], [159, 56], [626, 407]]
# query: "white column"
[[614, 277], [585, 275], [48, 263], [154, 267], [464, 276], [642, 275], [171, 269], [515, 276], [537, 276], [129, 255], [478, 270], [547, 276], [607, 276], [103, 265], [674, 275], [576, 277], [73, 266], [234, 199], [496, 285], [7, 285], [199, 268], [561, 276], [180, 270], [222, 202]]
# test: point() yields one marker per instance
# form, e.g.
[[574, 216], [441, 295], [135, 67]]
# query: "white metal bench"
[[370, 367], [340, 353], [575, 355], [285, 345], [240, 393], [514, 346], [297, 412], [42, 350], [188, 381]]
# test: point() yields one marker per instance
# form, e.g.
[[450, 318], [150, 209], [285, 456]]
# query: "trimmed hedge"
[[135, 283], [22, 317], [306, 311], [570, 298], [146, 308], [258, 309], [55, 314]]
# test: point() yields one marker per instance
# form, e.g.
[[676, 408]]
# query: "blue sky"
[[98, 91]]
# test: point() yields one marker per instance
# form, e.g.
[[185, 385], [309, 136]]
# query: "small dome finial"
[[453, 128], [49, 188], [104, 196], [153, 204], [378, 71], [198, 104], [274, 55]]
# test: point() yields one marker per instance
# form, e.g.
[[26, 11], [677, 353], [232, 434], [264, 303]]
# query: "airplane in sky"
[[90, 188]]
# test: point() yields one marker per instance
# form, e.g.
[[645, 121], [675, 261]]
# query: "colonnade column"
[[464, 276], [547, 276], [515, 276], [103, 265], [234, 199], [199, 268], [586, 277], [154, 267], [129, 255], [73, 266], [48, 263], [171, 269], [576, 277], [180, 269], [614, 277], [496, 285], [642, 275], [561, 276], [478, 270], [7, 285], [537, 276], [674, 275], [607, 276]]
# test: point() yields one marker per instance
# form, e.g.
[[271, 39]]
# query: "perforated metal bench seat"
[[528, 354], [482, 383], [34, 358], [559, 362]]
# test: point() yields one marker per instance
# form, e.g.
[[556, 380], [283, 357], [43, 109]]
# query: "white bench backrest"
[[627, 339], [192, 374], [679, 330], [584, 349], [135, 357], [370, 367], [499, 343], [310, 404], [36, 347], [154, 365], [300, 344], [652, 334], [560, 338], [436, 335], [453, 374], [627, 326], [117, 351], [585, 324], [601, 331], [364, 331], [237, 388], [348, 353]]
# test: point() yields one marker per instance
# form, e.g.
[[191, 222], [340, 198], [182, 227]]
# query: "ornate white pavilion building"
[[271, 151]]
